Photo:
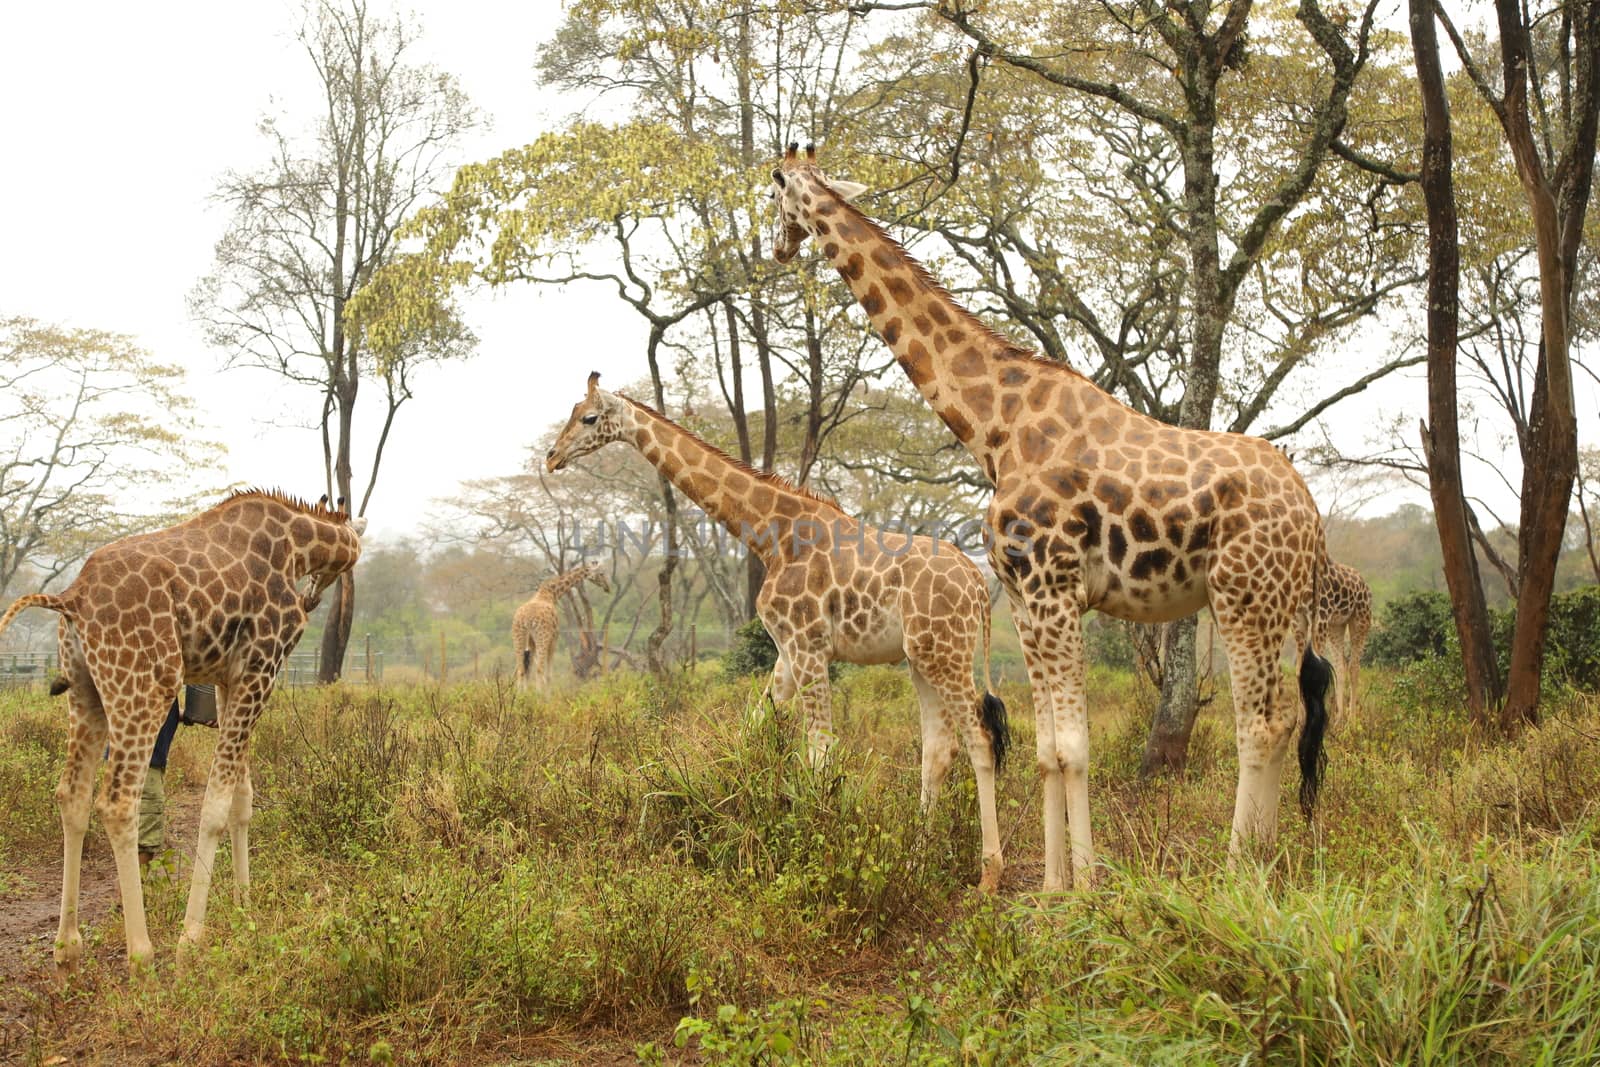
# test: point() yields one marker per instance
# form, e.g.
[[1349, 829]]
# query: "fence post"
[[369, 658]]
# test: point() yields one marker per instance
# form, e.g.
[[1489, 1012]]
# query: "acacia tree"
[[1547, 103], [312, 226], [91, 427]]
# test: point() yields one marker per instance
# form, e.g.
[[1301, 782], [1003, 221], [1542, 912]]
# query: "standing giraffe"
[[1095, 507], [1344, 613], [534, 626], [836, 588], [214, 600]]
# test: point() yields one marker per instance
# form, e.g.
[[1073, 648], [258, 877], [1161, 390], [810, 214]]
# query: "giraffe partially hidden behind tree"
[[1095, 507], [537, 622], [1344, 609], [836, 589], [220, 600]]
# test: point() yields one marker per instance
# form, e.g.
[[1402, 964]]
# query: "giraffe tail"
[[992, 710], [1316, 675], [32, 600], [527, 661]]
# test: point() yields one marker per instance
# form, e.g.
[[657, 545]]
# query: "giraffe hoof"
[[67, 954]]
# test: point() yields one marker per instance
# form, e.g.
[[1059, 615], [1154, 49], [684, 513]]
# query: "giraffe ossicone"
[[537, 622], [220, 599], [835, 588], [1122, 513]]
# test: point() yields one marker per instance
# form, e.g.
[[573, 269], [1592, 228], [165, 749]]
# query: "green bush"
[[752, 651], [1572, 645], [1413, 627]]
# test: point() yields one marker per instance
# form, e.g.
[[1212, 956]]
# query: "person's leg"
[[153, 798]]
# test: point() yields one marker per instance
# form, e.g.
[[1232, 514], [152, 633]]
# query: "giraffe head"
[[801, 193], [325, 548], [596, 573], [597, 420]]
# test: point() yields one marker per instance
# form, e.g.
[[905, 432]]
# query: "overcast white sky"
[[120, 117]]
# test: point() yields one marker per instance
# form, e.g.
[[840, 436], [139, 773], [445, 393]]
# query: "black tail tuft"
[[994, 721], [1316, 674], [527, 661], [59, 685]]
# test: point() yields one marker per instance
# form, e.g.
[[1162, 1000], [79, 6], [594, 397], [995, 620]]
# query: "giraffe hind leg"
[[138, 717], [86, 740]]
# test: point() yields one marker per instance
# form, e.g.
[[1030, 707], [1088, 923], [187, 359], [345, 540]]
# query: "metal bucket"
[[199, 705]]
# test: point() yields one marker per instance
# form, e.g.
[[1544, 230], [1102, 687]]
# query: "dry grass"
[[646, 869]]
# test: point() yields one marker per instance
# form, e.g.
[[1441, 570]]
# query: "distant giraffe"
[[1344, 607], [214, 600], [1095, 507], [836, 589], [537, 621]]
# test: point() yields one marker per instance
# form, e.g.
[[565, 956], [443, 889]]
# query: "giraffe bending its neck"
[[836, 588], [1344, 614], [212, 600], [1095, 507], [534, 627]]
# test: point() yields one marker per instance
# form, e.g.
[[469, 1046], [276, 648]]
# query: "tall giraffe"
[[836, 588], [214, 600], [1344, 609], [536, 623], [1095, 507]]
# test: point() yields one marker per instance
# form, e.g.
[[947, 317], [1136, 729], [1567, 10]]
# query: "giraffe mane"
[[1007, 346], [278, 495], [777, 481]]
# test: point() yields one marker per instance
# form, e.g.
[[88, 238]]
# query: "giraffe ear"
[[594, 383], [846, 191], [359, 525]]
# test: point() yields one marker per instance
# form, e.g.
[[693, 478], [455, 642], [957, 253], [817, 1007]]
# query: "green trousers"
[[153, 811]]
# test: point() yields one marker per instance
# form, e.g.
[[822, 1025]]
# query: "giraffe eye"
[[590, 420]]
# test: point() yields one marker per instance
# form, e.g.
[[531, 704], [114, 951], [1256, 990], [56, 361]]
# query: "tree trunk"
[[1552, 461], [1440, 436], [1166, 750], [336, 629], [341, 617], [669, 564]]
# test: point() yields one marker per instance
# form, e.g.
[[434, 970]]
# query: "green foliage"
[[32, 736], [752, 652], [1412, 627], [1418, 633], [1572, 644], [1108, 643]]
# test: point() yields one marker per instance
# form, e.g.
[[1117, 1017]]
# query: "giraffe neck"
[[557, 587], [763, 512], [959, 364]]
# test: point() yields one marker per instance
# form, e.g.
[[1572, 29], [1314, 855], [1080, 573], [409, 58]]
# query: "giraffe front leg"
[[1054, 654], [242, 706], [810, 673], [239, 830], [86, 739]]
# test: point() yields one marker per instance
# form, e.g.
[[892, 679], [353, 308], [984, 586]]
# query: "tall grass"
[[462, 874]]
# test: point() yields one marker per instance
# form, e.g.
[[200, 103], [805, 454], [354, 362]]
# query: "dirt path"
[[30, 910]]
